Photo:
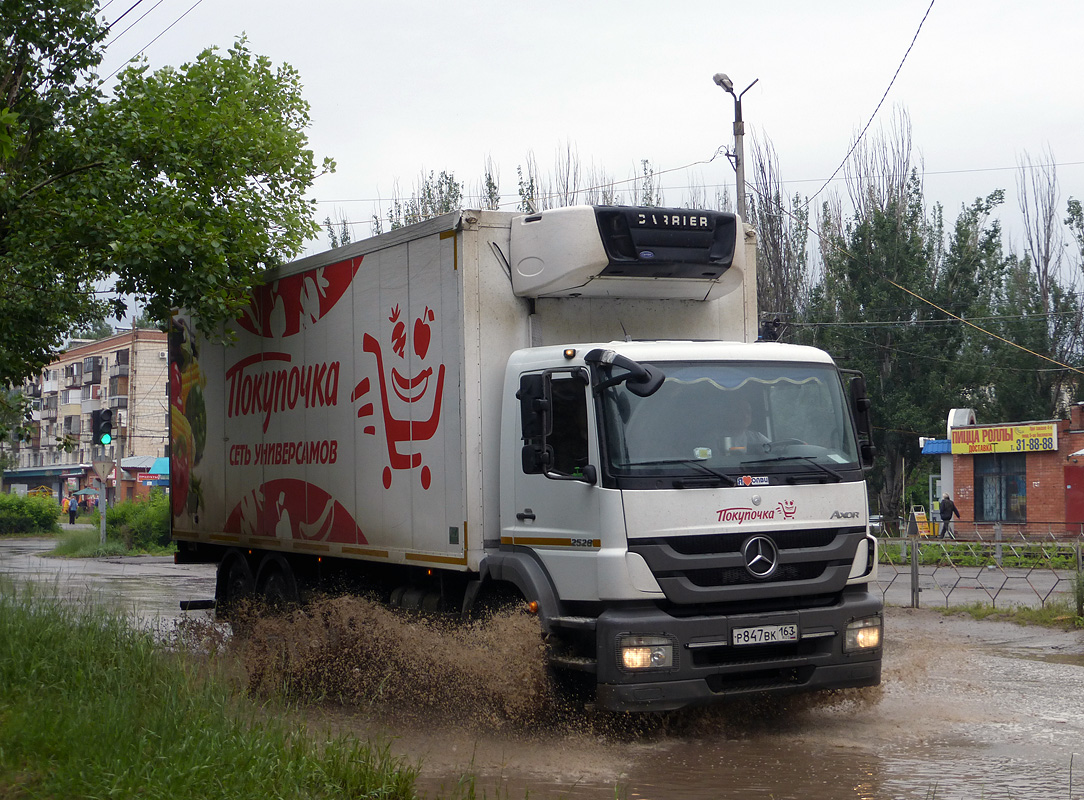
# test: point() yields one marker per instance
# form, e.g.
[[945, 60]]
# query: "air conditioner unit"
[[162, 354]]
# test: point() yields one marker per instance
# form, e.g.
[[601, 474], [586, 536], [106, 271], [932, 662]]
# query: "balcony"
[[118, 401], [49, 413], [87, 406], [118, 370]]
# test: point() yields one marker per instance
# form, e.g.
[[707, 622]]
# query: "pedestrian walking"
[[73, 509], [948, 508]]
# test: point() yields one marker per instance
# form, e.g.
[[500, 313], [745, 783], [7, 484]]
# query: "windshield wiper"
[[836, 477], [680, 483]]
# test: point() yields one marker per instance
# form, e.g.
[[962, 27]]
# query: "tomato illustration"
[[175, 384], [179, 480]]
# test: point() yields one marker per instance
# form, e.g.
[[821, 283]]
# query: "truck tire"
[[234, 583], [276, 582]]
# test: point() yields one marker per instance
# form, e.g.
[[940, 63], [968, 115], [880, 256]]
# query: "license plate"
[[765, 634]]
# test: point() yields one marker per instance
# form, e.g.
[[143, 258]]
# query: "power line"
[[155, 39], [926, 322], [878, 108], [717, 186], [947, 360], [145, 13], [843, 250]]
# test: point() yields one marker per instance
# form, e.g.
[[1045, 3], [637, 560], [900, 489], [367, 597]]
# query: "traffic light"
[[101, 426]]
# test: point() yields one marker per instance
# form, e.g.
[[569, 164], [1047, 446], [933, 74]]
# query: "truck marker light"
[[570, 353], [533, 606], [863, 634]]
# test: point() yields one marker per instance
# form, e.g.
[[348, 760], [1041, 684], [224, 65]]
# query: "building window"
[[1001, 493]]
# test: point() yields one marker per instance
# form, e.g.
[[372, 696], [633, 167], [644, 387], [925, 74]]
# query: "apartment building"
[[126, 373]]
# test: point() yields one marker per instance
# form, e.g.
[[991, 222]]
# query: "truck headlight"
[[645, 652], [863, 634]]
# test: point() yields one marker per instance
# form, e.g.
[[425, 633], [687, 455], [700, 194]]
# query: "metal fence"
[[996, 565]]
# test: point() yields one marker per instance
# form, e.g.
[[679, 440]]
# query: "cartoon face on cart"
[[411, 409]]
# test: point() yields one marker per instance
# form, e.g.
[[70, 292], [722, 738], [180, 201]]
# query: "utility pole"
[[721, 79]]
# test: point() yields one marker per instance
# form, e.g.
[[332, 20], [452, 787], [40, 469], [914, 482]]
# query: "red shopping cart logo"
[[408, 397]]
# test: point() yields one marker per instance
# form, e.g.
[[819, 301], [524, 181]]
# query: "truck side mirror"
[[861, 405], [536, 458], [533, 406], [642, 380]]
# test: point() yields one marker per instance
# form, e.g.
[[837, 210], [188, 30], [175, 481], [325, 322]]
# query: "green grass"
[[87, 544], [1014, 555], [91, 708], [1054, 614]]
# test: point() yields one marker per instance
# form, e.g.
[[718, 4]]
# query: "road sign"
[[103, 468]]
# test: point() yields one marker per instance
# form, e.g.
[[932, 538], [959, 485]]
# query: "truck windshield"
[[726, 419]]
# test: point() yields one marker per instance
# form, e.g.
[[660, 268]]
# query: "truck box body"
[[358, 413], [374, 410]]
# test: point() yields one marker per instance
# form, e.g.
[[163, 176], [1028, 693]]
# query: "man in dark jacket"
[[948, 508]]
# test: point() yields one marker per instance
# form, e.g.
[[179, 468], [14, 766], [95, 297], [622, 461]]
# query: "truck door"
[[556, 494]]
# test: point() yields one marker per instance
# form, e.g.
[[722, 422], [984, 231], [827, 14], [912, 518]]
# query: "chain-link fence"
[[995, 565]]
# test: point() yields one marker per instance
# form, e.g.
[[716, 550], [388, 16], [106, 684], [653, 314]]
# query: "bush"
[[23, 515], [87, 544], [140, 524]]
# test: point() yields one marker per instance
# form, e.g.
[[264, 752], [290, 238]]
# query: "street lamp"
[[721, 79]]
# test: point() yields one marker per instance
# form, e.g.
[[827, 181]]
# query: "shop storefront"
[[1026, 477]]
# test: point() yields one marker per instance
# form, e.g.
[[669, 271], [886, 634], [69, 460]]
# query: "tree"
[[491, 186], [866, 322], [145, 320], [338, 231], [181, 188], [433, 195], [97, 329], [650, 186], [782, 227]]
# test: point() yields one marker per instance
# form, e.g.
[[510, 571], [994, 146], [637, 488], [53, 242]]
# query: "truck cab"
[[694, 515]]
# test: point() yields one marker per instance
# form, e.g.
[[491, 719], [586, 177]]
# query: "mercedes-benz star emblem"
[[761, 556]]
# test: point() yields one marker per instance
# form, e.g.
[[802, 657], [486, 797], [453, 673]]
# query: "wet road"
[[149, 588], [967, 709]]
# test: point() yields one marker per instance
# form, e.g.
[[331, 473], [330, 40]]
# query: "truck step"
[[574, 623], [577, 663], [196, 605]]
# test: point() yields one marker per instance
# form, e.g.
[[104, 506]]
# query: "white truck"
[[567, 409]]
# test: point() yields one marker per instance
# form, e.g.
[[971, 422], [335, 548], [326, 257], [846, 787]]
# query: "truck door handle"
[[525, 514]]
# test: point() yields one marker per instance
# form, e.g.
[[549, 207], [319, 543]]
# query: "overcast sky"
[[401, 88]]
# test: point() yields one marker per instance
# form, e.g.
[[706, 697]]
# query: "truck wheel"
[[277, 583], [234, 583]]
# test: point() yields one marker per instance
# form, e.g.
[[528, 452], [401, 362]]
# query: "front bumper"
[[707, 668]]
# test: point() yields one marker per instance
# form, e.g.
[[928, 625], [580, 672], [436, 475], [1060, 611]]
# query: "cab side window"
[[568, 436]]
